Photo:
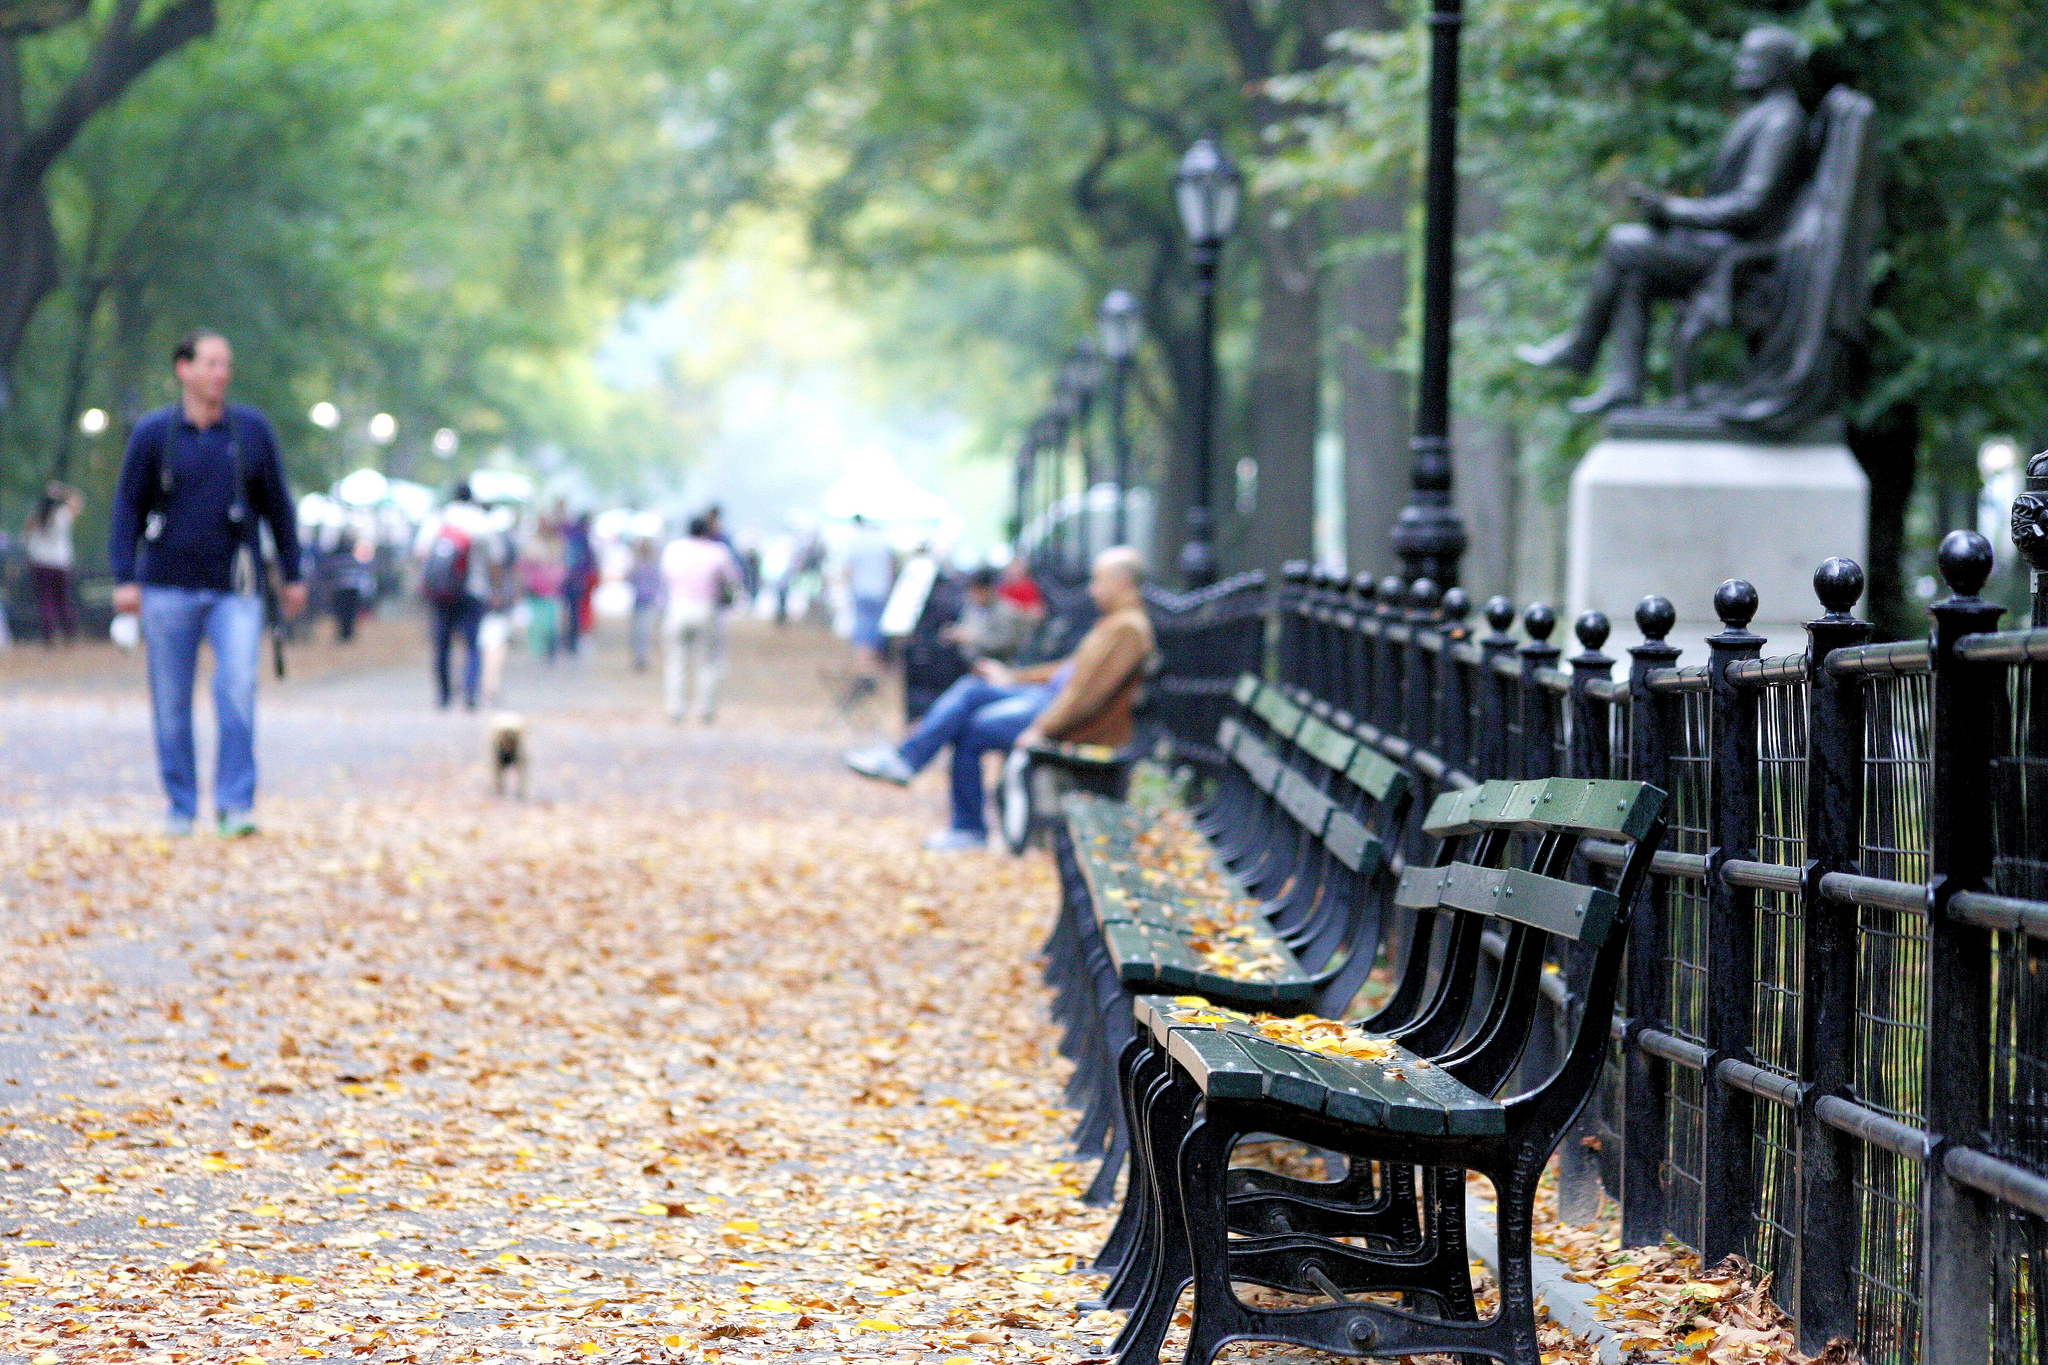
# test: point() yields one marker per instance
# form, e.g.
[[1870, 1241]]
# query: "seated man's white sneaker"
[[956, 841], [880, 762]]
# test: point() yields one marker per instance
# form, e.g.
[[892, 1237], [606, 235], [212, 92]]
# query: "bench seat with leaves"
[[1410, 1098]]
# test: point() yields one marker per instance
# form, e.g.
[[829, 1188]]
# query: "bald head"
[[1119, 571]]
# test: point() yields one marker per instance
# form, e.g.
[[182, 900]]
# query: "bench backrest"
[[1561, 811]]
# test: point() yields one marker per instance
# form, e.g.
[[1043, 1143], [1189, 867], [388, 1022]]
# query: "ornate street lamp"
[[1118, 325], [1428, 536], [1207, 190], [1083, 375]]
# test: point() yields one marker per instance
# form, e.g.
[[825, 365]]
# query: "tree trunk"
[[1888, 448], [1282, 402], [1370, 292]]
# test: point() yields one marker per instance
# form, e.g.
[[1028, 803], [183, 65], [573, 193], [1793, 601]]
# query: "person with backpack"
[[462, 564], [197, 481]]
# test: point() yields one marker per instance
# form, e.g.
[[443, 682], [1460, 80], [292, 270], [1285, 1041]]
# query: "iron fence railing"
[[1831, 1057]]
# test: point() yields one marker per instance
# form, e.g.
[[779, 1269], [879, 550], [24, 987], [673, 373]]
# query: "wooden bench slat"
[[1378, 776], [1559, 907], [1216, 1063], [1581, 805], [1299, 798], [1326, 745], [1353, 845]]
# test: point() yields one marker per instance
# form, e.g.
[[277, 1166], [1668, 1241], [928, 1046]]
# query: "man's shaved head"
[[1125, 558]]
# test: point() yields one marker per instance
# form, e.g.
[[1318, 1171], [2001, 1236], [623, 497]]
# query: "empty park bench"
[[1418, 1096], [1262, 896]]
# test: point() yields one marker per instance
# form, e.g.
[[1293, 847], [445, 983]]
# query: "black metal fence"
[[1832, 1055]]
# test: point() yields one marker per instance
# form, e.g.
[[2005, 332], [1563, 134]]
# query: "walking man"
[[700, 578], [463, 571], [186, 555]]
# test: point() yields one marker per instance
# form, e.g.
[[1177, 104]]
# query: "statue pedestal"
[[1677, 512]]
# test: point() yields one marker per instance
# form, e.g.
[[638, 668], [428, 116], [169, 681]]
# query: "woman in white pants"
[[699, 578]]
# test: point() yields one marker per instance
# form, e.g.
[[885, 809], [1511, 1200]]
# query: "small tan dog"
[[508, 752]]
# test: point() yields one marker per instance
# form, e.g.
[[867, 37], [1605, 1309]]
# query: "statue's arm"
[[1769, 176]]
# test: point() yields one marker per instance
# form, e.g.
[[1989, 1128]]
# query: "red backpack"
[[446, 579]]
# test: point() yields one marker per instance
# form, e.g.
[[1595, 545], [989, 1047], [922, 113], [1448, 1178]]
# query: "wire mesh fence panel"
[[1685, 954], [1891, 1010], [2019, 1010], [1779, 959]]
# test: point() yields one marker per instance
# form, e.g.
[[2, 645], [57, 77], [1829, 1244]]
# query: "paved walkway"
[[691, 1056]]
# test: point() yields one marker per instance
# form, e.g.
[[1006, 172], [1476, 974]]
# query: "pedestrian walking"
[[700, 578], [46, 540], [644, 578], [196, 480], [870, 574], [350, 583], [463, 561], [540, 573]]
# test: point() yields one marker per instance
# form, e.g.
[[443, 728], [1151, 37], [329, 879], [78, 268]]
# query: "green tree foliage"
[[1566, 103], [431, 212]]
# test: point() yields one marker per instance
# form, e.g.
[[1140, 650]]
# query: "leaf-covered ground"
[[694, 1055]]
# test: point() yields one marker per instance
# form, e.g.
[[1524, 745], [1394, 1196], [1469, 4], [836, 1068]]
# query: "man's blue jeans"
[[462, 617], [974, 717], [173, 622]]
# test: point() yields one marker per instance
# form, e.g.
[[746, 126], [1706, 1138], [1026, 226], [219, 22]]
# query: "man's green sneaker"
[[237, 824]]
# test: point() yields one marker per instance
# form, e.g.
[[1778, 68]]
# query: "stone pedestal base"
[[1677, 515]]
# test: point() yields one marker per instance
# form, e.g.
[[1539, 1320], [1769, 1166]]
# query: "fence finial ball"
[[1838, 583], [1592, 629], [1456, 606], [1422, 594], [1393, 592], [1295, 571], [1500, 613], [1539, 620], [1735, 604], [1965, 560], [1365, 586], [1655, 616]]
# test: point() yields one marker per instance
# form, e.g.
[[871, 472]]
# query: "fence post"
[[1389, 706], [1727, 1166], [1955, 1224], [1578, 1166], [1646, 1080], [1361, 650], [1496, 695], [1293, 587], [1538, 756], [1418, 717], [1828, 1224], [1453, 715]]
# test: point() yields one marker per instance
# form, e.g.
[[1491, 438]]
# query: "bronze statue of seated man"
[[1756, 177]]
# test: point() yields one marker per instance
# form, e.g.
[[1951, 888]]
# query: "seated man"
[[1085, 699]]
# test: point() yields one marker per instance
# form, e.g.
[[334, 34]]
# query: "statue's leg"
[[1578, 350], [1630, 328]]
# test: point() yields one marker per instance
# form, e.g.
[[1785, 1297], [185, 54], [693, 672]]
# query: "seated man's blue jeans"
[[975, 717], [173, 622]]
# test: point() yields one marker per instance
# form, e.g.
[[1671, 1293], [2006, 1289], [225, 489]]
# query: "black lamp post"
[[1065, 405], [1021, 515], [1083, 373], [1118, 323], [1429, 537], [1206, 190]]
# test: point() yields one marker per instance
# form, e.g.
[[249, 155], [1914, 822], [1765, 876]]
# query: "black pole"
[[1119, 438], [1084, 449], [1198, 553], [1428, 537], [1023, 482]]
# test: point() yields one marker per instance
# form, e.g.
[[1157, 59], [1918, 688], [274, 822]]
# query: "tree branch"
[[119, 55]]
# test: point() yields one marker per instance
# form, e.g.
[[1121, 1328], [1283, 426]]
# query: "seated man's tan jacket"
[[1109, 667]]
